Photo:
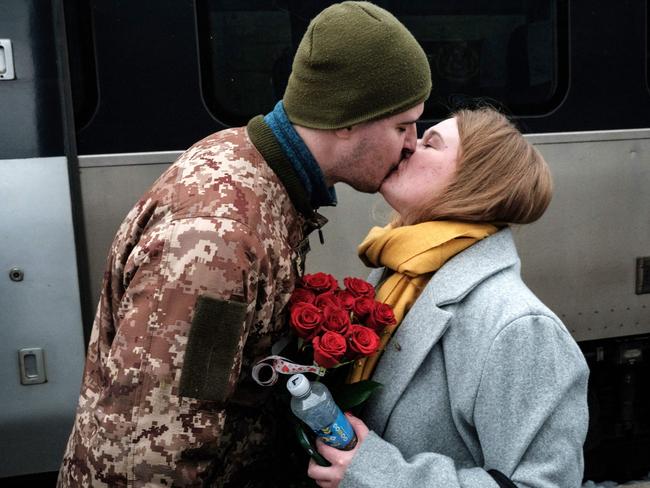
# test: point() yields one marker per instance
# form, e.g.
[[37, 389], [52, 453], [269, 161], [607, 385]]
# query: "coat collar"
[[426, 322]]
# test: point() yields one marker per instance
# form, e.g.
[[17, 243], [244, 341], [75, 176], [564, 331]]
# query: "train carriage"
[[98, 97]]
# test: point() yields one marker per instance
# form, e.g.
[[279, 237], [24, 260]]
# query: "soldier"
[[202, 266]]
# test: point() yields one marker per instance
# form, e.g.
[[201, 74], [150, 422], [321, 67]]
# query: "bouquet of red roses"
[[340, 324], [334, 327]]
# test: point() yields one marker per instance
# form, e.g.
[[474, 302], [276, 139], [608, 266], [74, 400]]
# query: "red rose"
[[382, 316], [363, 307], [306, 319], [302, 295], [346, 299], [362, 340], [359, 287], [327, 299], [329, 349], [320, 282], [336, 319]]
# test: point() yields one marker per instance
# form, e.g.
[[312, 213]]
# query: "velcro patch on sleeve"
[[211, 348]]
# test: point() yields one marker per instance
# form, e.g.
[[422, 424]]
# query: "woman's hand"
[[331, 476]]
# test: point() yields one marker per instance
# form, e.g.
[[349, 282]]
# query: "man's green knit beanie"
[[355, 63]]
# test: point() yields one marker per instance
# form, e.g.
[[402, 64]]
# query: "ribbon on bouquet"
[[280, 365]]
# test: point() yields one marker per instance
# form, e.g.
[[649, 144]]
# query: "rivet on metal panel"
[[16, 274]]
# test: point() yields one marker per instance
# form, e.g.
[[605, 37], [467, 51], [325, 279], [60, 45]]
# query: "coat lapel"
[[426, 322], [404, 354]]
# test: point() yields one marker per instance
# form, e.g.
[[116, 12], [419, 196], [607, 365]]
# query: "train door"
[[41, 337]]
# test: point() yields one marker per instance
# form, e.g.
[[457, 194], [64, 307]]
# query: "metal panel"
[[108, 193], [41, 310], [580, 258]]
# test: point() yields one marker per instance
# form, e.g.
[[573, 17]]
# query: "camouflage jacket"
[[195, 282]]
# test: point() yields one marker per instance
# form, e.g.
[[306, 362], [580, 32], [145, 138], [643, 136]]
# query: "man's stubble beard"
[[352, 169]]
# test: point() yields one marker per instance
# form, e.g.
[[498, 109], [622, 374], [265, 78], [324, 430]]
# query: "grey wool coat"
[[480, 375]]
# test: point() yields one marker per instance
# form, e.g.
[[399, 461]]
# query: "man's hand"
[[331, 476]]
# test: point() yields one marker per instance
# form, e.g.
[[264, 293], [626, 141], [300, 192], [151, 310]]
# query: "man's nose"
[[411, 139]]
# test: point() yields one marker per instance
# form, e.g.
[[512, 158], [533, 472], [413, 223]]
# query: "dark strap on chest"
[[502, 480]]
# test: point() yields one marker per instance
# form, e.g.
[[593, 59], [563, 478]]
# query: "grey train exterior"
[[98, 97]]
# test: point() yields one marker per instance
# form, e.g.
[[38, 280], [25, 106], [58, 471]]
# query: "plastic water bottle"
[[313, 404]]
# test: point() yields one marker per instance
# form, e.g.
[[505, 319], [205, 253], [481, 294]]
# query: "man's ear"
[[344, 133]]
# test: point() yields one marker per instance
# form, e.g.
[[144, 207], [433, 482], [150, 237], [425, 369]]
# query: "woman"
[[482, 384]]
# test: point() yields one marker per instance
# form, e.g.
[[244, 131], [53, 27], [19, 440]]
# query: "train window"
[[246, 49], [511, 53]]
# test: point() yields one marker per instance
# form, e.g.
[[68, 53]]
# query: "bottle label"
[[339, 433]]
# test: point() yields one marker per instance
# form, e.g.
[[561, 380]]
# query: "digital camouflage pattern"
[[217, 223]]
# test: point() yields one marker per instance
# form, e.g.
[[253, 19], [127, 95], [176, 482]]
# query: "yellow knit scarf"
[[414, 253]]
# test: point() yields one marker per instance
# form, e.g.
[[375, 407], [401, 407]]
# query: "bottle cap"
[[298, 385]]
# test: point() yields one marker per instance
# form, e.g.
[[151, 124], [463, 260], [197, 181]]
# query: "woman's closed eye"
[[433, 140], [431, 143]]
